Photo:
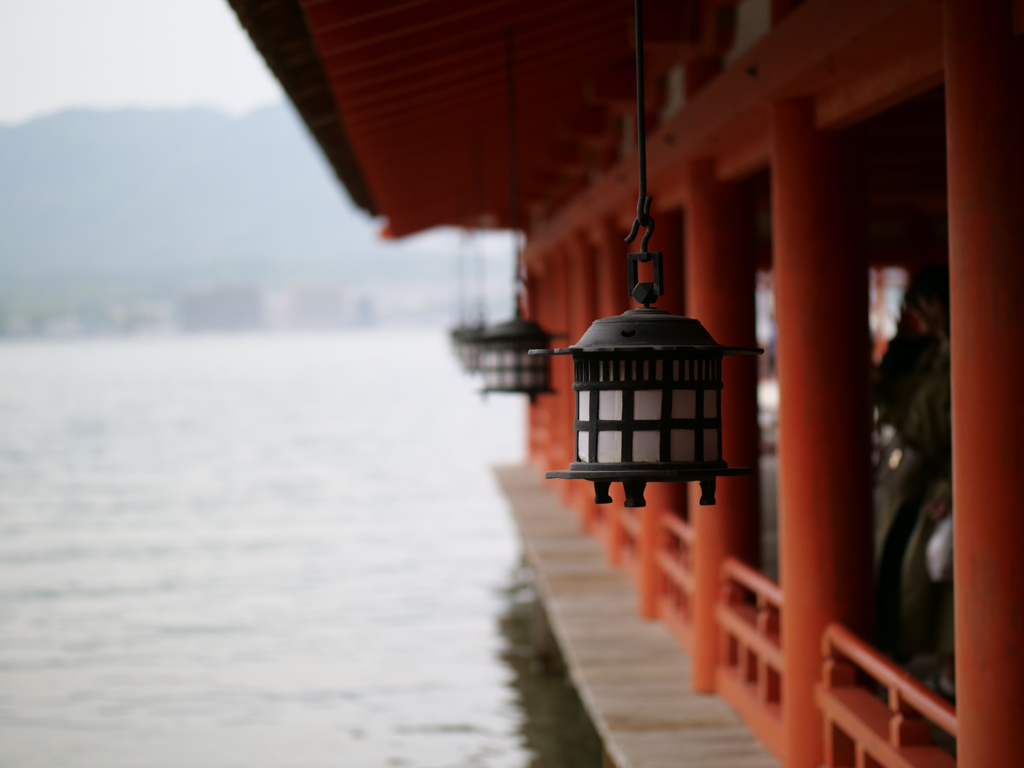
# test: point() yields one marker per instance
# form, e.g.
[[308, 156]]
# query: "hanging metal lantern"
[[648, 383], [466, 341], [648, 404], [505, 360]]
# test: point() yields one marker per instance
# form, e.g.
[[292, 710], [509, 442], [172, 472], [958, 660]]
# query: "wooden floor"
[[632, 676]]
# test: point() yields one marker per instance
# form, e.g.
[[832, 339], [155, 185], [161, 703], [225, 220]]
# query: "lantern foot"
[[707, 492], [635, 492], [601, 493]]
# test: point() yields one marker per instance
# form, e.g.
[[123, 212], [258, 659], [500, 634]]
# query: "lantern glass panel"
[[583, 412], [710, 445], [610, 405], [647, 445], [684, 404], [583, 446], [682, 445], [609, 447], [710, 404], [646, 405]]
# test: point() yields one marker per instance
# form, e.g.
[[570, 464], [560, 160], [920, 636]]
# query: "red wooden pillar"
[[612, 299], [825, 536], [543, 307], [720, 276], [985, 165], [662, 498], [612, 294], [582, 312], [562, 401], [535, 448]]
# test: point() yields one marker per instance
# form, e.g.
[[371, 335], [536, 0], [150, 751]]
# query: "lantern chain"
[[518, 282], [643, 203]]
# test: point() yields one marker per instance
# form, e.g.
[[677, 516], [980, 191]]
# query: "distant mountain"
[[99, 205]]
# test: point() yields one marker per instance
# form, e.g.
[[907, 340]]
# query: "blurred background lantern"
[[505, 361]]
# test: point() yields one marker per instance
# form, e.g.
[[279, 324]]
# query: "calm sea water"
[[254, 551]]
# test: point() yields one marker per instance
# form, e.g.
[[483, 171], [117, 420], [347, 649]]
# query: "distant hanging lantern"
[[648, 383], [466, 342], [505, 360]]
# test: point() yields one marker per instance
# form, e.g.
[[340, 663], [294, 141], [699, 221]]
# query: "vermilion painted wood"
[[660, 497], [750, 660], [582, 302], [612, 299], [764, 721], [648, 546], [985, 126], [417, 85], [534, 413], [825, 479], [631, 524], [741, 625], [613, 295], [629, 521], [563, 401], [839, 643], [896, 67], [720, 266], [545, 301], [865, 719], [797, 59], [859, 726], [675, 601]]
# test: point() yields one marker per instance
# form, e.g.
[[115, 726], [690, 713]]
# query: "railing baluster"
[[750, 661], [854, 717]]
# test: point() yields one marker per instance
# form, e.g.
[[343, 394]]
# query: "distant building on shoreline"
[[222, 308]]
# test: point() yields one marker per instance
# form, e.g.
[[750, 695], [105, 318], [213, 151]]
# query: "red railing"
[[629, 541], [674, 560], [750, 666], [860, 729]]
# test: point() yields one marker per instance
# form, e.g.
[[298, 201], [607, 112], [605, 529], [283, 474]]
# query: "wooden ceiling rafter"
[[483, 78], [536, 18], [418, 89], [529, 51]]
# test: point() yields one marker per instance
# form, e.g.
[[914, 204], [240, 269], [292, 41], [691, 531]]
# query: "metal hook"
[[643, 219]]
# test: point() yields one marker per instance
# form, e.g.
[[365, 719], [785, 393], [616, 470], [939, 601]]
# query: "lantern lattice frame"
[[505, 360], [466, 342], [648, 404]]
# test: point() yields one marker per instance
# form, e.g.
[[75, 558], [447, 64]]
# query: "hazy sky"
[[57, 54], [111, 54]]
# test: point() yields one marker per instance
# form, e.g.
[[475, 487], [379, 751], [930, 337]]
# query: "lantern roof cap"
[[468, 332], [516, 329], [647, 328]]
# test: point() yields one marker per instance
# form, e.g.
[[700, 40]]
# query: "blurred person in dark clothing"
[[914, 488]]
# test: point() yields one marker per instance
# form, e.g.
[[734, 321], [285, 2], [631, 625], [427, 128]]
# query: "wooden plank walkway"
[[631, 675]]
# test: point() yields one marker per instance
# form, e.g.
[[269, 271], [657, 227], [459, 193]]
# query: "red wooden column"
[[662, 498], [612, 294], [985, 166], [562, 401], [612, 299], [721, 260], [535, 424], [582, 312], [825, 528]]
